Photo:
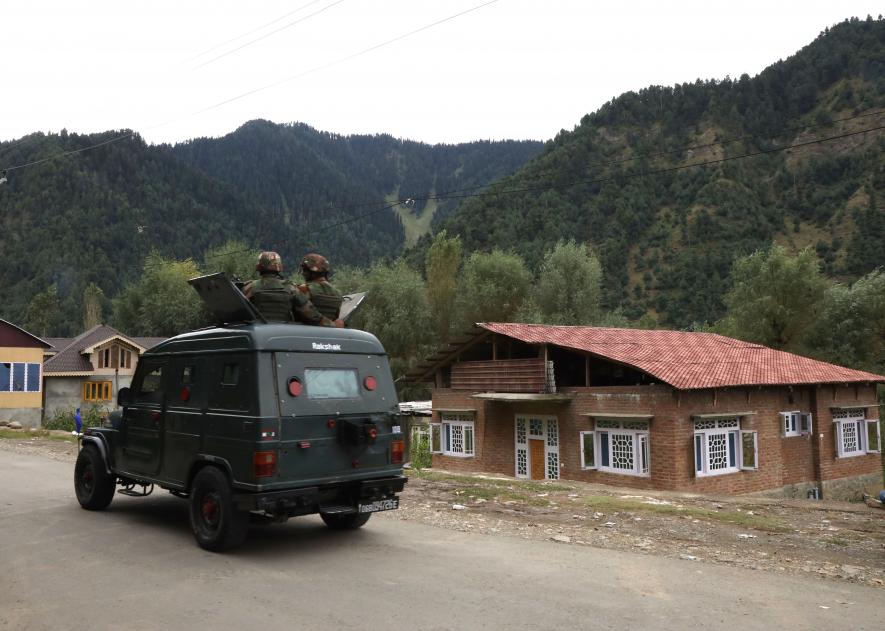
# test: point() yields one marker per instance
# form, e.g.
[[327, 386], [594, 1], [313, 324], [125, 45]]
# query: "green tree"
[[396, 311], [493, 288], [93, 306], [42, 314], [234, 258], [775, 297], [442, 263], [851, 328], [569, 287], [161, 302]]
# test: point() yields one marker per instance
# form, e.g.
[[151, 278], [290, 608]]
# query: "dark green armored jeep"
[[251, 418]]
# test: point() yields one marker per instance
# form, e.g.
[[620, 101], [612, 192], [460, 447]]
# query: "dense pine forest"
[[94, 216], [754, 206], [667, 241]]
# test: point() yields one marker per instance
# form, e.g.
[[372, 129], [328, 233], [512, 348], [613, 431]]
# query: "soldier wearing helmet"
[[278, 299], [317, 288]]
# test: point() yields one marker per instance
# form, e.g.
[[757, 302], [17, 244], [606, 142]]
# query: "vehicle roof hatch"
[[224, 300]]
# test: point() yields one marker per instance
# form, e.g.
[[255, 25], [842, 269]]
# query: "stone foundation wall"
[[28, 417], [853, 488], [848, 489]]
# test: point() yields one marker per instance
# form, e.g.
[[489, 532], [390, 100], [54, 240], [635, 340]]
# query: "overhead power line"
[[266, 35], [255, 30], [266, 87], [345, 59]]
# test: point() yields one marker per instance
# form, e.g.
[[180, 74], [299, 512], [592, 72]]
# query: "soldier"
[[317, 288], [278, 299]]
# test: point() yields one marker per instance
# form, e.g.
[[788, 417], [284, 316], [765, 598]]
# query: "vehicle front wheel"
[[216, 522], [346, 521], [93, 484]]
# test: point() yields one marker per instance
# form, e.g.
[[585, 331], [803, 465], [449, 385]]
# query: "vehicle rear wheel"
[[347, 521], [93, 484], [216, 522]]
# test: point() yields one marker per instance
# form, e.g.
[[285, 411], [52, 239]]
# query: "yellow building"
[[21, 375]]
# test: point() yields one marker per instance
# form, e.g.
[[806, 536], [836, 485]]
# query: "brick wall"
[[783, 461]]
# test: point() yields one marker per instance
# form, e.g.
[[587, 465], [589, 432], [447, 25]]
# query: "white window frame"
[[26, 383], [584, 464], [856, 418], [795, 423], [878, 447], [730, 428], [755, 436], [638, 431], [464, 422], [436, 438]]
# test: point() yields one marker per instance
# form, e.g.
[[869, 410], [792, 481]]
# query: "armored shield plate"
[[349, 305], [224, 301]]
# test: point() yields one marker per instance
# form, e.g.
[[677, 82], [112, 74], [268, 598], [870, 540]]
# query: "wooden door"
[[536, 459]]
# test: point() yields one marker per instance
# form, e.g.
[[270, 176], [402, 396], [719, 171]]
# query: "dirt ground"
[[832, 540]]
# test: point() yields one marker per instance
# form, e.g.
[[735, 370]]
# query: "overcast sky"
[[511, 69]]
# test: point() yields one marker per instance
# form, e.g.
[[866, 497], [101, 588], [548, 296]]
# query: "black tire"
[[93, 484], [346, 521], [215, 521]]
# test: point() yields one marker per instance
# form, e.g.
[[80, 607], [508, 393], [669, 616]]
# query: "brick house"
[[89, 369], [651, 409], [21, 359]]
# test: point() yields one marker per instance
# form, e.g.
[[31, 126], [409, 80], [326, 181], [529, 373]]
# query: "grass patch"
[[40, 433], [606, 503], [472, 481]]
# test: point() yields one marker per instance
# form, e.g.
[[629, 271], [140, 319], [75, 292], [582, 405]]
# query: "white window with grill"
[[453, 436], [617, 447], [720, 447], [856, 435]]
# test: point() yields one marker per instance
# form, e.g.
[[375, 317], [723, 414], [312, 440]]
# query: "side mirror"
[[124, 397]]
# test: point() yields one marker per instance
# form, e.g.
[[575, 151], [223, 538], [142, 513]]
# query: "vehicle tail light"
[[370, 383], [397, 448], [294, 386], [264, 464]]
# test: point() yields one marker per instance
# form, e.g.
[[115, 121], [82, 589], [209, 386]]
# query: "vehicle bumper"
[[340, 497]]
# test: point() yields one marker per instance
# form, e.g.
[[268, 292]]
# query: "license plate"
[[379, 505]]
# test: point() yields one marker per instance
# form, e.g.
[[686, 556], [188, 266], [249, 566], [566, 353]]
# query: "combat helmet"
[[315, 264], [269, 262]]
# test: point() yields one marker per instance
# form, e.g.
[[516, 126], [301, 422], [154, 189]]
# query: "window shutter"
[[436, 438], [805, 423], [588, 450], [698, 454], [643, 454], [837, 433], [785, 423], [874, 439], [603, 448], [749, 450]]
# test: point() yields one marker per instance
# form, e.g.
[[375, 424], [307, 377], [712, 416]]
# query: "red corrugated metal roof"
[[688, 360]]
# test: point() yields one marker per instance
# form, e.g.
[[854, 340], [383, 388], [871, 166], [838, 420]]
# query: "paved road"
[[136, 566]]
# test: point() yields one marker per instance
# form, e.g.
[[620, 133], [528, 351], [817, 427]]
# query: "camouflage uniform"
[[327, 299], [278, 299]]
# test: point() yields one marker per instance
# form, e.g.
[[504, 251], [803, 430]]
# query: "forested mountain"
[[93, 216], [308, 180], [667, 240], [668, 186]]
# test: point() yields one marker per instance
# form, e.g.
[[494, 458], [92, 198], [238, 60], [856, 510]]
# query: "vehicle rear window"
[[331, 383]]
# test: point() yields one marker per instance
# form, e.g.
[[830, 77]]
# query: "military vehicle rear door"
[[143, 418], [185, 410]]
